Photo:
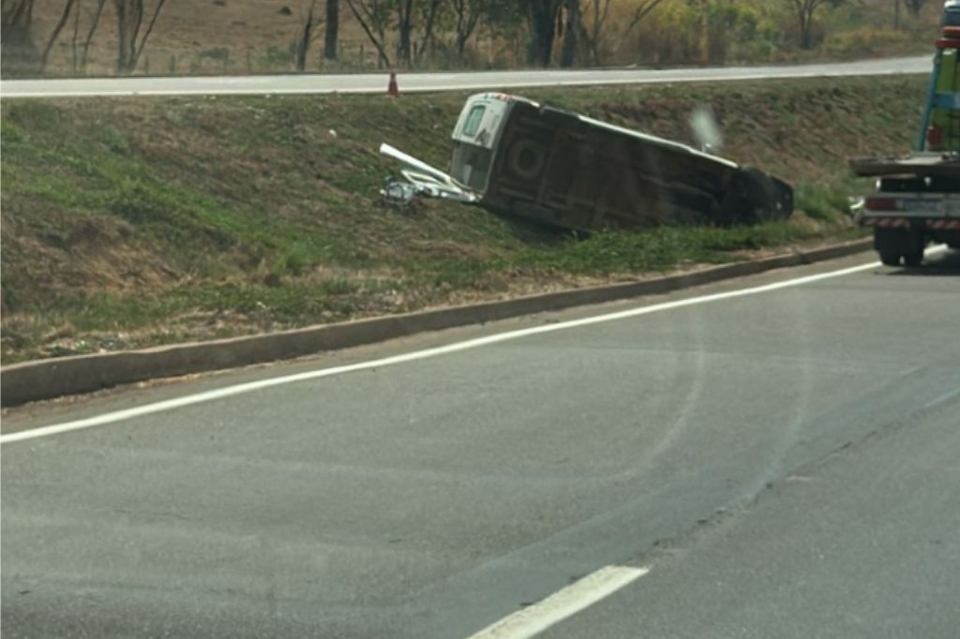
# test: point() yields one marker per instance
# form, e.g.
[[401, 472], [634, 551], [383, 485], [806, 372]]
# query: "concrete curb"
[[46, 379]]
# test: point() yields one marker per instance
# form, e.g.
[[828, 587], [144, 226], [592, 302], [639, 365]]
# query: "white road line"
[[229, 391], [564, 603]]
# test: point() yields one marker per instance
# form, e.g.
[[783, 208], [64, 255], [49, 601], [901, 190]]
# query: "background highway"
[[412, 82], [785, 464]]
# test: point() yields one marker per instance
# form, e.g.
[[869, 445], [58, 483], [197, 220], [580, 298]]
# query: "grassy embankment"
[[130, 222]]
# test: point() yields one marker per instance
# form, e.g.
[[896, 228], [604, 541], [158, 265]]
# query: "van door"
[[474, 139]]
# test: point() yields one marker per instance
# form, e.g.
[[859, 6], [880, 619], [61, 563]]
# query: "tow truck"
[[917, 197]]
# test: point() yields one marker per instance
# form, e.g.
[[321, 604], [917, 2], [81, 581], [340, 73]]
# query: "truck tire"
[[889, 257], [914, 258], [917, 242], [891, 244]]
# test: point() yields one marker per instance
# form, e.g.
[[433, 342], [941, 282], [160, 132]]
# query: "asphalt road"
[[414, 82], [784, 463]]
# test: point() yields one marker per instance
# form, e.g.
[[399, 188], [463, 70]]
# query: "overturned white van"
[[514, 156]]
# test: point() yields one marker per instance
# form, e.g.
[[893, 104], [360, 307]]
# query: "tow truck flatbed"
[[918, 164]]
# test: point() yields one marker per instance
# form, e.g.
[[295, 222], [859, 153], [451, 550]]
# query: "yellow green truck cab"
[[943, 130], [940, 131]]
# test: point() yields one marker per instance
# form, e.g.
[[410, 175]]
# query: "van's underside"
[[568, 171]]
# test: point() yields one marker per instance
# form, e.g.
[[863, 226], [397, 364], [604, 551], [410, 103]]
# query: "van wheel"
[[526, 159]]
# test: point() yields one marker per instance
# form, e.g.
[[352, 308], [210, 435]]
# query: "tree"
[[404, 17], [642, 10], [332, 30], [17, 52], [467, 14], [373, 16], [306, 35], [805, 10], [404, 11], [431, 10], [572, 32], [61, 23], [130, 41], [93, 29], [542, 17], [914, 7], [468, 17], [597, 11]]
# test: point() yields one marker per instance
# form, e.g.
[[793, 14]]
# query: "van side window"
[[473, 120]]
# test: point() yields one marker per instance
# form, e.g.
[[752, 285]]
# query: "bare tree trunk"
[[146, 34], [805, 12], [74, 57], [61, 23], [93, 29], [332, 30], [599, 10], [16, 12], [129, 12], [571, 34], [129, 23], [19, 55], [404, 31], [378, 42], [305, 39], [543, 31], [428, 24], [467, 14]]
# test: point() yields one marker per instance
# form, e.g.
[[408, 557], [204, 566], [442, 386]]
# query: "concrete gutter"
[[46, 379]]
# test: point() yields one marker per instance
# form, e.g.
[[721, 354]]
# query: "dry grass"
[[253, 36], [202, 36]]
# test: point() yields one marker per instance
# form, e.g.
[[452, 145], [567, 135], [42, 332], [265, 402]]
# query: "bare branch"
[[93, 29], [146, 34], [643, 9], [365, 24], [641, 12], [61, 23], [306, 36]]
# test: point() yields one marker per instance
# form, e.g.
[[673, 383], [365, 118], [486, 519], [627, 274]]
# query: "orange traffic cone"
[[392, 89]]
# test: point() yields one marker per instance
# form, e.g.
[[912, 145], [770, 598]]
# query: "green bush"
[[822, 202]]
